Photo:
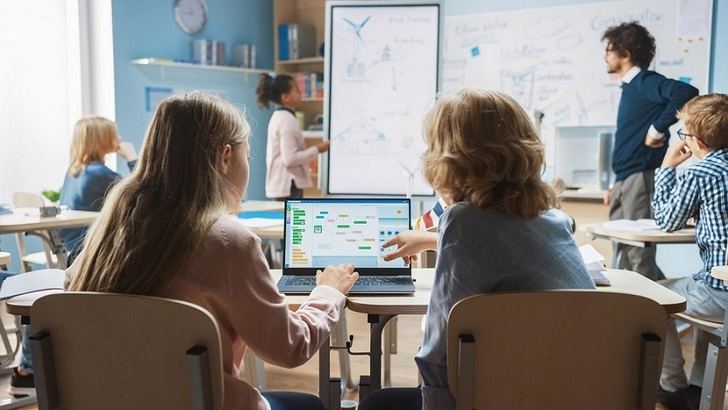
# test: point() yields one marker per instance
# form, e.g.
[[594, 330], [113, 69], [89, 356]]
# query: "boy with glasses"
[[646, 109], [700, 192]]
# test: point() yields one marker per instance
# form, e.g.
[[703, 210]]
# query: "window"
[[46, 77]]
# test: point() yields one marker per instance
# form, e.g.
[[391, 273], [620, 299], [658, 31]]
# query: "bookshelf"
[[310, 12]]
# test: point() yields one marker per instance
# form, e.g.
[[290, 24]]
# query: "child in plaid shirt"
[[700, 192]]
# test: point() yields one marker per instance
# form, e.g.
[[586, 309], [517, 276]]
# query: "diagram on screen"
[[361, 138]]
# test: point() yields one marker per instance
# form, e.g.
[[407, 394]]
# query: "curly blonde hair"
[[482, 148]]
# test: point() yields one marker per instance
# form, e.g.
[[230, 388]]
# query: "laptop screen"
[[321, 232]]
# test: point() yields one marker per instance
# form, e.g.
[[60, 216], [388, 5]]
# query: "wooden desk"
[[273, 232], [642, 239], [20, 222], [23, 220], [262, 206], [380, 309]]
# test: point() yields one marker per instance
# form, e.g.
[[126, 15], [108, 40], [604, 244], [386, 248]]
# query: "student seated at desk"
[[700, 192], [88, 179], [499, 232], [166, 231], [84, 188]]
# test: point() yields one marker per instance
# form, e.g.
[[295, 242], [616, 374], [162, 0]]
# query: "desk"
[[18, 222], [380, 309], [261, 206], [642, 239]]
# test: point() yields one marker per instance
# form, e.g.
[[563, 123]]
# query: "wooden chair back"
[[555, 349], [111, 351]]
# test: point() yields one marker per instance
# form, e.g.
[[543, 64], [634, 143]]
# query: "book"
[[630, 225], [296, 41], [593, 261]]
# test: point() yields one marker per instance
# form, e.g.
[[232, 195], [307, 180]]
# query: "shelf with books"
[[298, 30], [302, 61], [162, 64]]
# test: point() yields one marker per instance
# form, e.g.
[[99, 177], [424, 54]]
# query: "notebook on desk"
[[323, 231]]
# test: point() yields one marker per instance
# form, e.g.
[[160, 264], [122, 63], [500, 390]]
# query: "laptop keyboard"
[[363, 280]]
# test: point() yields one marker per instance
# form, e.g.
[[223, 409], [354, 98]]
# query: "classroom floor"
[[305, 378]]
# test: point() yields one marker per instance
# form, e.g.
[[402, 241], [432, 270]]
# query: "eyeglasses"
[[682, 134]]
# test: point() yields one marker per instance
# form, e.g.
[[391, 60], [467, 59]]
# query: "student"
[[166, 231], [88, 179], [498, 233], [701, 192], [287, 158], [84, 188], [647, 108]]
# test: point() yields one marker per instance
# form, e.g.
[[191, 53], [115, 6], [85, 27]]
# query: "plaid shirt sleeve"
[[676, 198]]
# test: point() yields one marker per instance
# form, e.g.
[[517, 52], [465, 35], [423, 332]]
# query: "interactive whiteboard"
[[382, 76], [552, 59]]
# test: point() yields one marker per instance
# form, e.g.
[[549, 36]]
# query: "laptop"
[[326, 231]]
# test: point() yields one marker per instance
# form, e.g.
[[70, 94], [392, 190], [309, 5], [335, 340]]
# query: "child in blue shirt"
[[84, 189], [498, 233], [700, 192], [88, 179]]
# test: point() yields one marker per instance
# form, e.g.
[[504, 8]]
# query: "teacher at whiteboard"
[[287, 159], [647, 108]]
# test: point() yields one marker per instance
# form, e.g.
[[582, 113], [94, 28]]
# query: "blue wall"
[[147, 29]]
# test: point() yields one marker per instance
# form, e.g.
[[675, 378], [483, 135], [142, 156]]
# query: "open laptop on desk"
[[323, 231]]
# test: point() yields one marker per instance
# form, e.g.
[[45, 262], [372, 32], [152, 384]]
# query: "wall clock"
[[190, 15]]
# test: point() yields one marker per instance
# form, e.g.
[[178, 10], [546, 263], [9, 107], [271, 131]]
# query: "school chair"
[[555, 349], [101, 350], [9, 349], [716, 362], [30, 200], [5, 259]]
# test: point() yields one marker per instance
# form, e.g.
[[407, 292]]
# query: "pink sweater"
[[229, 277]]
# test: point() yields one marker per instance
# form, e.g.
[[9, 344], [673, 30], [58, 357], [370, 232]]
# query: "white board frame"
[[330, 5]]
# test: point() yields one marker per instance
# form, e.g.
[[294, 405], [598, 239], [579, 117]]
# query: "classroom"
[[364, 204]]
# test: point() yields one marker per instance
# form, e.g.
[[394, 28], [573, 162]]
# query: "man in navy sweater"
[[647, 108]]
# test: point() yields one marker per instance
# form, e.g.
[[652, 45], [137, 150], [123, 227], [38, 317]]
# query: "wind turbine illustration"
[[357, 27], [410, 177]]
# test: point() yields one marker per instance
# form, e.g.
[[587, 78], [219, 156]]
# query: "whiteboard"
[[382, 76], [552, 59]]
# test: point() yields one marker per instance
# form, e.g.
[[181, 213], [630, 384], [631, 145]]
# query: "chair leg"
[[390, 348], [20, 241], [714, 379]]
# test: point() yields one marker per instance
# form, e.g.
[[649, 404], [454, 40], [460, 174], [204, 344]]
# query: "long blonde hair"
[[482, 148], [153, 221], [93, 137]]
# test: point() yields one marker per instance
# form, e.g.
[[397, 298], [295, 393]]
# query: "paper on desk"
[[259, 223], [593, 261], [590, 255], [630, 225], [33, 281]]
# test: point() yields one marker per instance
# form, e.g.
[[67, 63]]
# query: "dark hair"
[[271, 88], [633, 40]]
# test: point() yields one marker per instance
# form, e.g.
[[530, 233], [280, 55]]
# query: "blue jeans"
[[26, 361], [284, 400], [399, 398]]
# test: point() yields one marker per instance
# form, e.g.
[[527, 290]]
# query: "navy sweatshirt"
[[649, 99]]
